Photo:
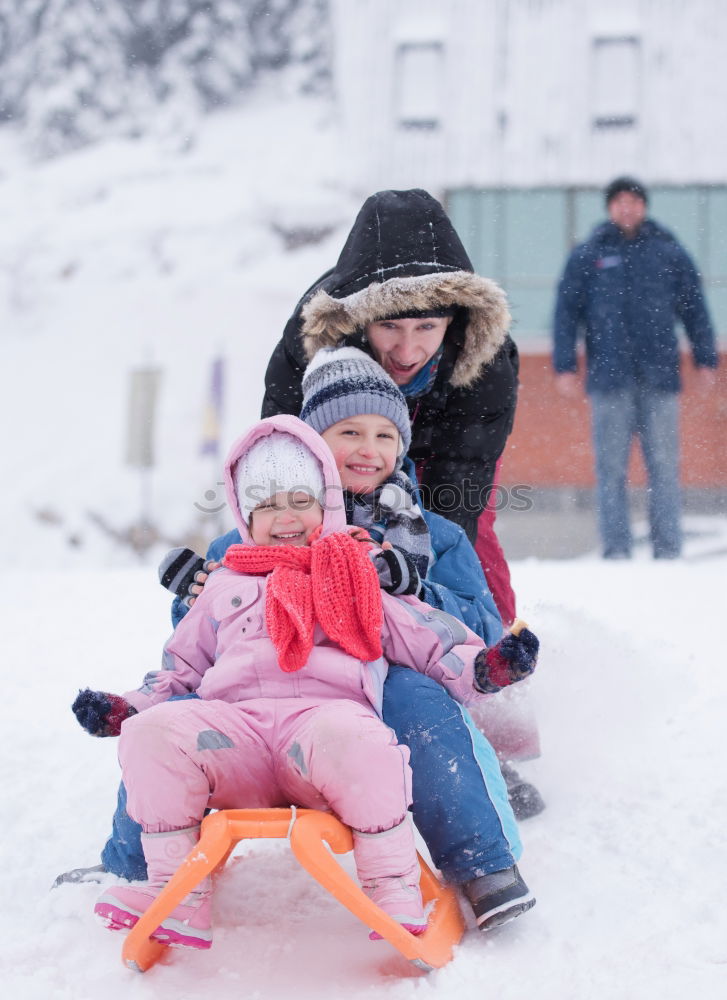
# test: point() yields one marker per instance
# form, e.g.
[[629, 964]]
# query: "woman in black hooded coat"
[[403, 259]]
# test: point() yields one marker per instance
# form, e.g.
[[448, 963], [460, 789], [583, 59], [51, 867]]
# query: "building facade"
[[529, 93], [516, 113]]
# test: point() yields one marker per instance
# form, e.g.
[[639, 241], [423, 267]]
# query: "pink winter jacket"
[[221, 649]]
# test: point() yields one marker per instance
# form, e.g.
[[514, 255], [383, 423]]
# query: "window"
[[522, 237], [615, 81], [419, 84]]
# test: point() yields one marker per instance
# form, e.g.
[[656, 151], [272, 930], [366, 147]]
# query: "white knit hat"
[[276, 463]]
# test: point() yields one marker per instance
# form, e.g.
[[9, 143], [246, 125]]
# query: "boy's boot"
[[189, 924], [525, 799], [498, 897], [75, 875], [388, 869]]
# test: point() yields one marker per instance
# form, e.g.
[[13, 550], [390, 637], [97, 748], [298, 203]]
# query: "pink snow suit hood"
[[334, 513]]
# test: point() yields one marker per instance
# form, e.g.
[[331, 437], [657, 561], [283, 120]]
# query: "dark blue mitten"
[[100, 713]]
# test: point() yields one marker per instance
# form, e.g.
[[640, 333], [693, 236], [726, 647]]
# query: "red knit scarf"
[[331, 582]]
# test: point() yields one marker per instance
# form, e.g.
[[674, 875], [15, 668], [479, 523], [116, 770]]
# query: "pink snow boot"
[[189, 925], [388, 870]]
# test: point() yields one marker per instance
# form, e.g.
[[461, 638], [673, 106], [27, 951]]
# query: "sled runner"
[[307, 830]]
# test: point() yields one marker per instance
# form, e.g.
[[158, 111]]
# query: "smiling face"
[[403, 346], [365, 449], [285, 519]]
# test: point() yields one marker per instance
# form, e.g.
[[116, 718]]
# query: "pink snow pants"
[[180, 758]]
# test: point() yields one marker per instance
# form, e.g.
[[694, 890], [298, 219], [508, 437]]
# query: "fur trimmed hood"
[[404, 254], [328, 320]]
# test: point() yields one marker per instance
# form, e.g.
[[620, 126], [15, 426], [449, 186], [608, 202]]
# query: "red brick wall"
[[550, 444]]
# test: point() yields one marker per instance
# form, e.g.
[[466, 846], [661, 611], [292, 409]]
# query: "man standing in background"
[[625, 287]]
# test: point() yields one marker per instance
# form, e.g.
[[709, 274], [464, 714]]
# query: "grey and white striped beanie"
[[342, 382]]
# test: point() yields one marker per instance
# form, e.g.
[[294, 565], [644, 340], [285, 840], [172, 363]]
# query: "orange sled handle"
[[309, 831]]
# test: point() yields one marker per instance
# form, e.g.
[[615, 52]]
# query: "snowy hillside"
[[628, 860], [132, 254], [73, 72]]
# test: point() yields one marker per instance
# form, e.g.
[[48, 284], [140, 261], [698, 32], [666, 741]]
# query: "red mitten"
[[508, 661]]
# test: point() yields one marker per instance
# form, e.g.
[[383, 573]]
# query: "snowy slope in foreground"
[[628, 860]]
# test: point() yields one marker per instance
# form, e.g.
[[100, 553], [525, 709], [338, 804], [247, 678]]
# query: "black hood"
[[397, 234], [403, 254]]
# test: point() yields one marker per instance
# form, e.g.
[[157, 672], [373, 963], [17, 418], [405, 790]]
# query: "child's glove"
[[184, 573], [396, 571], [100, 713], [508, 661]]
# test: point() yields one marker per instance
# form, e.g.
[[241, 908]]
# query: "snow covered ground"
[[628, 861]]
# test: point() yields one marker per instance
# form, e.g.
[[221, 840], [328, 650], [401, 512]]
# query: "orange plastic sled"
[[307, 830]]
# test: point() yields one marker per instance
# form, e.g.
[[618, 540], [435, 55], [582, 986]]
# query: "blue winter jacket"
[[455, 582], [626, 295]]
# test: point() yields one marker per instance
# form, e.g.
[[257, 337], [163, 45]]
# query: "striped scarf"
[[391, 514]]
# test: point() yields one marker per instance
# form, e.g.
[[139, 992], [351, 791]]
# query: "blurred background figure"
[[626, 287]]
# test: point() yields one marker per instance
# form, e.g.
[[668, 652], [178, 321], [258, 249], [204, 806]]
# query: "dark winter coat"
[[403, 254], [627, 295]]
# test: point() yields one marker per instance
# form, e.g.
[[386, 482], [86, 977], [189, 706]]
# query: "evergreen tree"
[[74, 70]]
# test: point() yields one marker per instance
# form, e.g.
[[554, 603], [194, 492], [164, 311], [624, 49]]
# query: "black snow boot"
[[80, 875], [525, 799], [498, 897]]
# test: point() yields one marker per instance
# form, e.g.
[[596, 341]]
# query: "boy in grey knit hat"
[[362, 415]]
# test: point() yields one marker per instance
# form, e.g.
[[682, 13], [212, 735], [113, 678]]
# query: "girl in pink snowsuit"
[[289, 667]]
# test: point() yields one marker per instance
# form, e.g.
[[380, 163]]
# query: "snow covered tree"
[[74, 70]]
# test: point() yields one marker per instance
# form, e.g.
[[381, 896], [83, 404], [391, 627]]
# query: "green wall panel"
[[521, 237]]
